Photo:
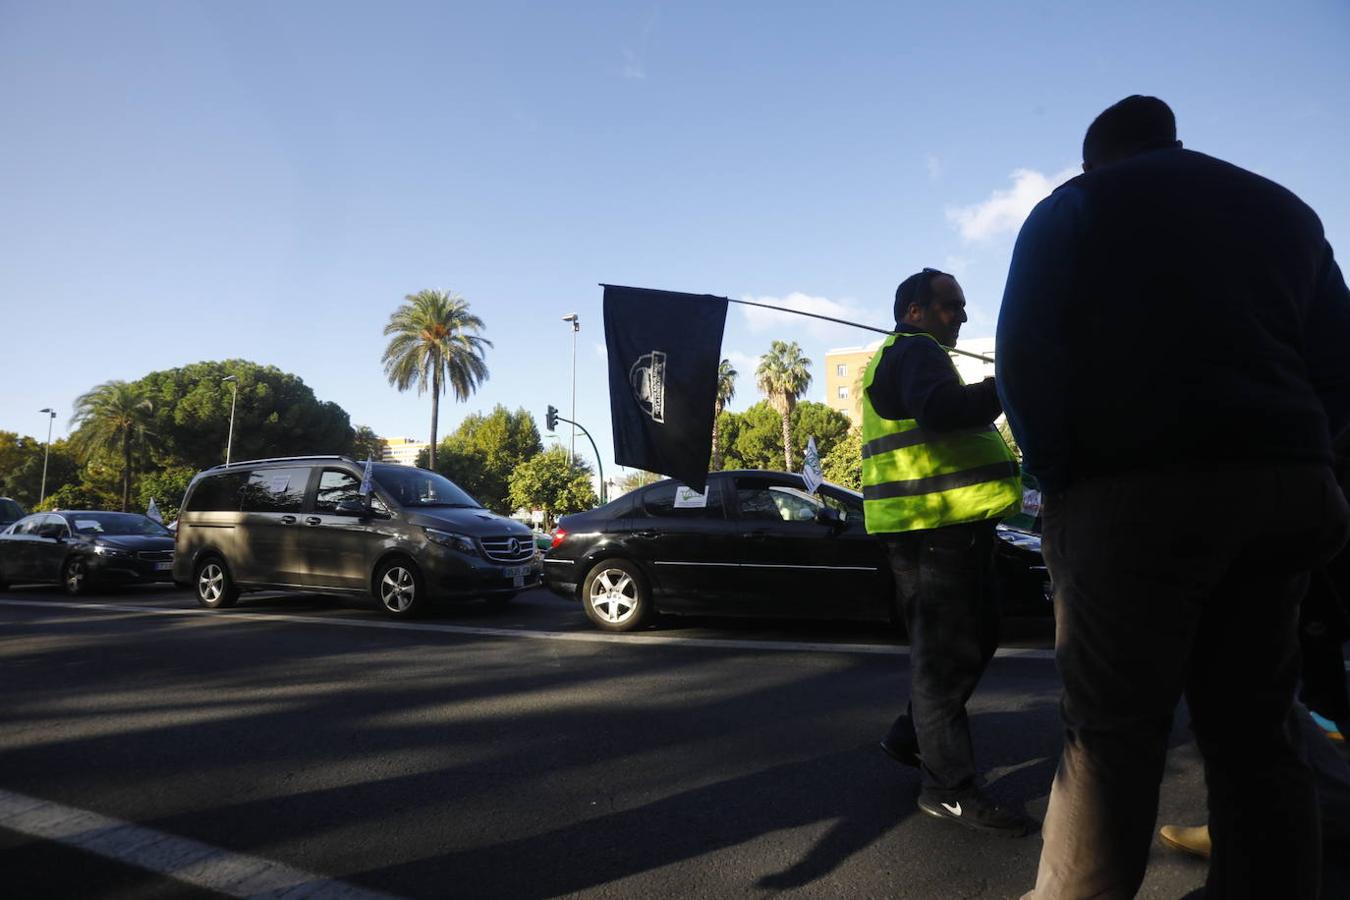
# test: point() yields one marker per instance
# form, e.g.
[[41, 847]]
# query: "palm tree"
[[783, 376], [112, 417], [726, 389], [432, 345]]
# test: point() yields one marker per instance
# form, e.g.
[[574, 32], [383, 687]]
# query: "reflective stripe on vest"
[[915, 479]]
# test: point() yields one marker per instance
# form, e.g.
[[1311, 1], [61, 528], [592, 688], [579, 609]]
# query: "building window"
[[841, 369], [843, 392]]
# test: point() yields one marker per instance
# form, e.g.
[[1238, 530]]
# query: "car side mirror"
[[827, 516], [354, 508]]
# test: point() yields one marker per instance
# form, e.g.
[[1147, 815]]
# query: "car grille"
[[499, 549], [155, 555]]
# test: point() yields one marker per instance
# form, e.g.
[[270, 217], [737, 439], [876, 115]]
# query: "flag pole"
[[798, 312]]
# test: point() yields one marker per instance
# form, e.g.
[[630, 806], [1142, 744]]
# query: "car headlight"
[[461, 542], [112, 552]]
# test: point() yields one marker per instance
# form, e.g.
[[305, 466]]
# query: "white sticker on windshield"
[[688, 498], [87, 525]]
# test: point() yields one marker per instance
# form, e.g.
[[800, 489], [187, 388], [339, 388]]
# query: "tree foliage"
[[434, 342], [783, 375], [754, 438], [21, 467], [726, 390], [79, 495], [277, 414], [549, 482], [842, 465], [114, 417], [166, 487], [366, 444], [484, 452]]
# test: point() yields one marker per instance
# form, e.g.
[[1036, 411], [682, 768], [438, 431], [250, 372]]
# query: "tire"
[[75, 576], [400, 589], [213, 584], [616, 597]]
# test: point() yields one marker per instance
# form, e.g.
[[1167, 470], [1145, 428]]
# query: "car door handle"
[[313, 520], [288, 520]]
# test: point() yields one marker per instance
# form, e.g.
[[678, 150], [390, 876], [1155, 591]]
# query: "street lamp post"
[[576, 326], [46, 454], [234, 386]]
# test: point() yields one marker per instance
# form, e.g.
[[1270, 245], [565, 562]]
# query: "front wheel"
[[400, 589], [214, 587], [616, 597], [75, 576]]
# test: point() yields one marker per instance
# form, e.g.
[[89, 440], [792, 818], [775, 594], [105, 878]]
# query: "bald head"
[[1135, 125]]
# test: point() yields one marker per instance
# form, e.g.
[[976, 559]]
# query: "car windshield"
[[97, 523], [420, 487]]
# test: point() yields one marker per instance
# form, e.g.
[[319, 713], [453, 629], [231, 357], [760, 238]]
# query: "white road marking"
[[182, 859], [584, 637]]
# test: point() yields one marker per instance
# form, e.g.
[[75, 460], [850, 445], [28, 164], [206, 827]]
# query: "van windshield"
[[420, 487]]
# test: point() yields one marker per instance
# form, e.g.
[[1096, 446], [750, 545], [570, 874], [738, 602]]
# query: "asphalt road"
[[318, 748]]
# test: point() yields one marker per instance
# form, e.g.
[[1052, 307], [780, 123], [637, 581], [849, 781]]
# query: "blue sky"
[[189, 180]]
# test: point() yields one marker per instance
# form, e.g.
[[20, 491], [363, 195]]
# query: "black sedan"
[[75, 548], [754, 543]]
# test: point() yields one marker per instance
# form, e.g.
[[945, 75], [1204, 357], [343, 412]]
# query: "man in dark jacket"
[[937, 477], [1172, 359]]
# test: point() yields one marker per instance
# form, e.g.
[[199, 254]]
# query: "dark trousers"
[[1172, 582], [944, 584]]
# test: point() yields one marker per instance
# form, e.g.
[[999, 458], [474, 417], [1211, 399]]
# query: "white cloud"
[[762, 320], [632, 66], [1006, 210]]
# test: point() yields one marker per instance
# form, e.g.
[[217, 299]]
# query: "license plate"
[[516, 572], [163, 567]]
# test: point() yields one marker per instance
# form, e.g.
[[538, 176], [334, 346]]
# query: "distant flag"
[[811, 472], [153, 512], [368, 477], [663, 349]]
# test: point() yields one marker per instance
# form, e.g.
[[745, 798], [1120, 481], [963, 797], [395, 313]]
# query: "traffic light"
[[551, 418]]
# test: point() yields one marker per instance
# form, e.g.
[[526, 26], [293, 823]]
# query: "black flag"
[[664, 349]]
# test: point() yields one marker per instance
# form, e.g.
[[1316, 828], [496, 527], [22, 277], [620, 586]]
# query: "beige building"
[[402, 450], [844, 369]]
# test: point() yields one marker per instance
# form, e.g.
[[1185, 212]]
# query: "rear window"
[[217, 493], [673, 500], [275, 490]]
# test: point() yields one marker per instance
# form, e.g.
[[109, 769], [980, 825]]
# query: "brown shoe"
[[1192, 839]]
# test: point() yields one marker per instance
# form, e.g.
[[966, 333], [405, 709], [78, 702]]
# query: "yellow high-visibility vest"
[[915, 479]]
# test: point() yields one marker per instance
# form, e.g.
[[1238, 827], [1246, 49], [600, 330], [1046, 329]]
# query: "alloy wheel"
[[210, 583], [74, 576], [397, 589], [614, 596]]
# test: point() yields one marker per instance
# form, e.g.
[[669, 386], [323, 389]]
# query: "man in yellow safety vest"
[[937, 477]]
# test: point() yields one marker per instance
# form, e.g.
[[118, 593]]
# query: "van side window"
[[217, 493], [335, 487], [275, 490]]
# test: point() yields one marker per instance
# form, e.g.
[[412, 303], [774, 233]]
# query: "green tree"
[[843, 464], [80, 495], [366, 444], [631, 481], [828, 426], [549, 482], [21, 460], [113, 416], [755, 437], [726, 390], [484, 451], [783, 375], [276, 414], [434, 341], [166, 487]]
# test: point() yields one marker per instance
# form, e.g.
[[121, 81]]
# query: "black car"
[[10, 512], [755, 543], [77, 547]]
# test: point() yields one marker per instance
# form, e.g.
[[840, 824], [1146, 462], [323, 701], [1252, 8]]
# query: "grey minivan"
[[303, 523]]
